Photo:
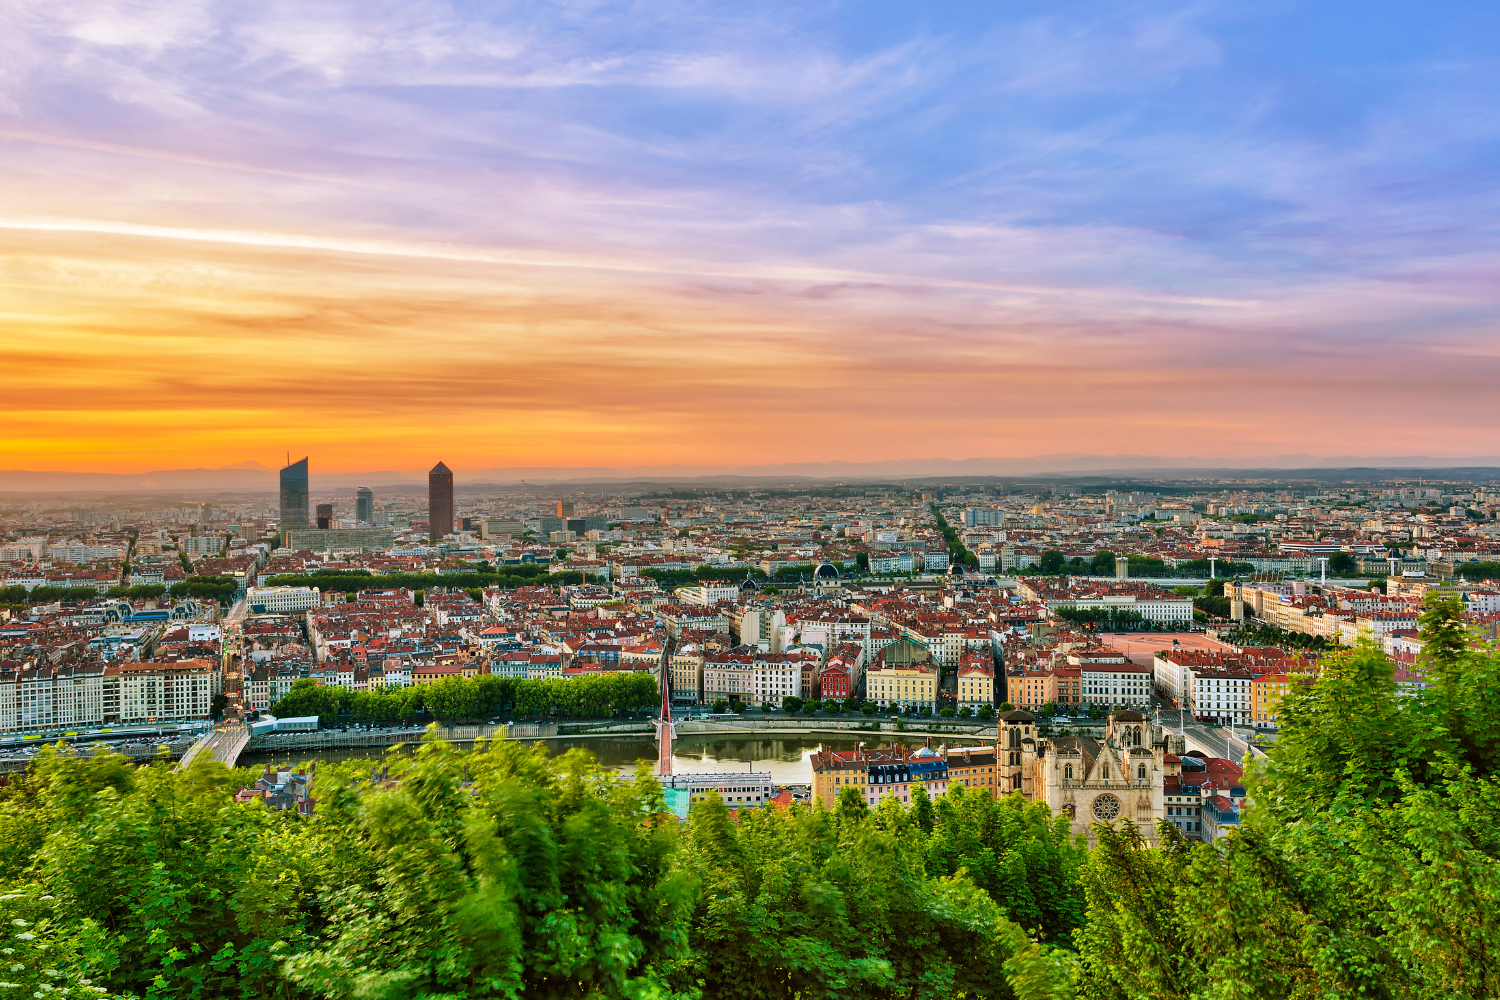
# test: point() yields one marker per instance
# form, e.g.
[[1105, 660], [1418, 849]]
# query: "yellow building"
[[903, 672], [976, 680], [1266, 692], [833, 769]]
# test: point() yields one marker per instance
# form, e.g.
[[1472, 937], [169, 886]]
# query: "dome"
[[827, 571]]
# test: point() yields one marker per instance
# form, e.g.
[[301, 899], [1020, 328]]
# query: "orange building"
[[1266, 692]]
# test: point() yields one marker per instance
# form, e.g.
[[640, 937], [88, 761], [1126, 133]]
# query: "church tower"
[[1015, 753]]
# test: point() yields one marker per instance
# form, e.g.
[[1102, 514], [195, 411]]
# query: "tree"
[[965, 712], [1006, 706], [1051, 563], [217, 704], [986, 712], [720, 706], [791, 704], [1342, 563], [946, 711]]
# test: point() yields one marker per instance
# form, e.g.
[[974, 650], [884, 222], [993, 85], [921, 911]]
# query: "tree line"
[[1054, 563], [961, 556], [353, 581], [215, 588], [1367, 865], [457, 699]]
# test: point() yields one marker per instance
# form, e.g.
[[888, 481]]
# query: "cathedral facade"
[[1117, 779]]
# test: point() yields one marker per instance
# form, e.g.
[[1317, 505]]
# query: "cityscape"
[[594, 501]]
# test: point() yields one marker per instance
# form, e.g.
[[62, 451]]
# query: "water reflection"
[[786, 758]]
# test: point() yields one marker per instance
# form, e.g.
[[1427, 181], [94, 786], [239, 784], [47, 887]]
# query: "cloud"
[[600, 233]]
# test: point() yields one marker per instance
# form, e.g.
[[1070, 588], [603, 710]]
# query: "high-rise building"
[[364, 505], [440, 509], [325, 516], [564, 508], [294, 496]]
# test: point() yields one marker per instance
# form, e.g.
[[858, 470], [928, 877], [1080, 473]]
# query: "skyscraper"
[[439, 502], [293, 497], [325, 516], [364, 505]]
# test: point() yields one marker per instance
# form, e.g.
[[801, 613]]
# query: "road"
[[1210, 739], [224, 743]]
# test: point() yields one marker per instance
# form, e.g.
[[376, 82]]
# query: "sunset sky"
[[607, 235]]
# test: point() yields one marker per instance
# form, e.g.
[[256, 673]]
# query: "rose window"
[[1106, 808]]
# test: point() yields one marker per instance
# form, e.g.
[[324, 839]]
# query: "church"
[[1121, 777]]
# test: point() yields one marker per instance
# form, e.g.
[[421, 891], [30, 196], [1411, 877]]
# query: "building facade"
[[440, 507], [1121, 778], [341, 539], [294, 496], [282, 600]]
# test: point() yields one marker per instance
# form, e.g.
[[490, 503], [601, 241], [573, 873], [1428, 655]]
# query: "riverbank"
[[884, 728]]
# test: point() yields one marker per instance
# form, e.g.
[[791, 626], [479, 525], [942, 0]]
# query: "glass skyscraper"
[[293, 498], [439, 502], [364, 505]]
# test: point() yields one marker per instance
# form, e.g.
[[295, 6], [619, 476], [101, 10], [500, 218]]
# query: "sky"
[[710, 234]]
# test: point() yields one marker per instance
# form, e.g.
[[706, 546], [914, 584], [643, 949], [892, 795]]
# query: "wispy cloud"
[[642, 233]]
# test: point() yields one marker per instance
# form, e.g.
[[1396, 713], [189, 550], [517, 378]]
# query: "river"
[[787, 758]]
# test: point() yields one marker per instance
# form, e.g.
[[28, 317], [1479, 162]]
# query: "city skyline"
[[699, 236]]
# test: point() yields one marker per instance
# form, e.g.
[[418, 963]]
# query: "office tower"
[[439, 502], [325, 516], [293, 497], [564, 508], [364, 505]]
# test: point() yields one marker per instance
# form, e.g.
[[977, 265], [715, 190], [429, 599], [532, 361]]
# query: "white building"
[[284, 600], [762, 628], [1115, 684], [34, 698], [707, 594], [1222, 695], [832, 631], [775, 676], [1152, 609], [728, 676]]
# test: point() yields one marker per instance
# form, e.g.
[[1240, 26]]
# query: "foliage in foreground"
[[505, 873], [1367, 867]]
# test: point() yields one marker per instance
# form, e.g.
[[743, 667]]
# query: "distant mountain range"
[[251, 477]]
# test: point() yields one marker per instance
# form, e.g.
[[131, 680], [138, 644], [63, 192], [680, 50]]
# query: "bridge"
[[223, 743]]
